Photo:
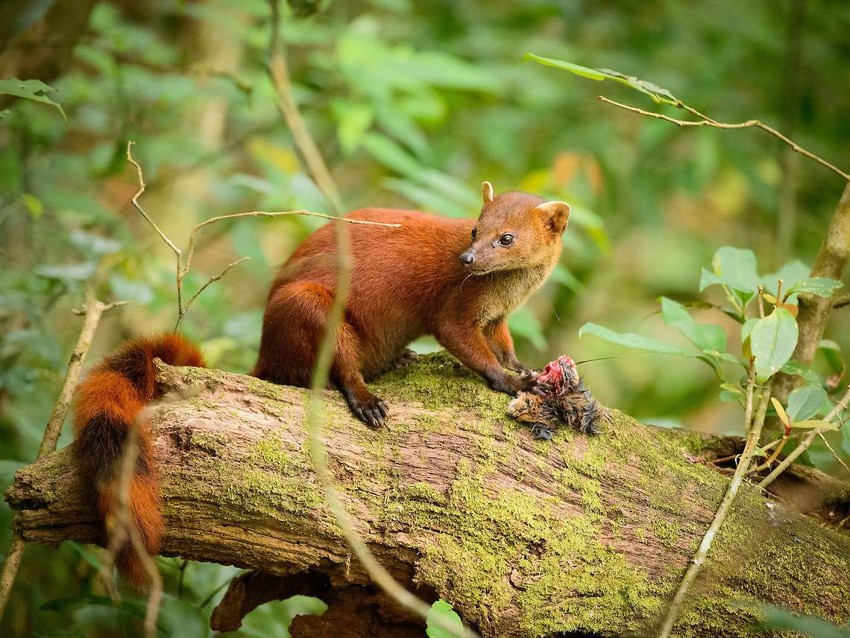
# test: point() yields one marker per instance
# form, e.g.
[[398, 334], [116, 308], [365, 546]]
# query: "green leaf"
[[820, 286], [34, 90], [637, 342], [704, 337], [790, 274], [832, 352], [815, 423], [747, 328], [732, 388], [725, 356], [773, 341], [655, 92], [795, 369], [806, 402], [727, 396], [733, 267], [442, 609]]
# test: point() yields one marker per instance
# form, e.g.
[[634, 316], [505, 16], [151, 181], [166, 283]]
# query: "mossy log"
[[524, 537]]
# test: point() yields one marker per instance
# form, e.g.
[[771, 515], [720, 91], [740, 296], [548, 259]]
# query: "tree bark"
[[523, 537]]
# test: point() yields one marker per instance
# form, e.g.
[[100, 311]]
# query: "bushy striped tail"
[[109, 403]]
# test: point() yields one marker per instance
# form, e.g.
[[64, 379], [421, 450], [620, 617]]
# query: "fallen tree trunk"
[[524, 537]]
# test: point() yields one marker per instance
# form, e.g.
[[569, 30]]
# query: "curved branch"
[[707, 121]]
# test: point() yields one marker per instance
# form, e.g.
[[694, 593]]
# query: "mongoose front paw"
[[513, 385], [369, 409], [530, 381]]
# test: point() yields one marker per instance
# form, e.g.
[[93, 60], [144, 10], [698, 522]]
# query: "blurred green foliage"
[[413, 104]]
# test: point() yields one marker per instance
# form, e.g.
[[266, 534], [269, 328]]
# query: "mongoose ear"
[[487, 192], [556, 214]]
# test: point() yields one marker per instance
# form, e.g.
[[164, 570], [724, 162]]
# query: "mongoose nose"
[[466, 258]]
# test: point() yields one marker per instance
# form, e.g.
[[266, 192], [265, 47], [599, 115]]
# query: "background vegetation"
[[413, 104]]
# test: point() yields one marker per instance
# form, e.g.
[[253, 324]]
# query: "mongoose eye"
[[473, 233], [506, 240]]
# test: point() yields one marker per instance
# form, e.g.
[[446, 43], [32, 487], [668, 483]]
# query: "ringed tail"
[[108, 404]]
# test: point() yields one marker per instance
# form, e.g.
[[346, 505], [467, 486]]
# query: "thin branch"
[[806, 442], [92, 312], [706, 121], [832, 451], [261, 213], [184, 261], [212, 280], [753, 435]]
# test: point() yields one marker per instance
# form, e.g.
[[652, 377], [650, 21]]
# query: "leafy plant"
[[768, 332]]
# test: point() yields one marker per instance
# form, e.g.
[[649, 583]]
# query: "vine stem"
[[753, 435], [92, 312]]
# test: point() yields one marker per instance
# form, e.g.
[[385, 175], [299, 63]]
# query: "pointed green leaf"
[[806, 402], [732, 388], [790, 274], [773, 341], [832, 352], [820, 286], [747, 328], [637, 342], [733, 267], [725, 356], [34, 90], [655, 92], [795, 369], [704, 337]]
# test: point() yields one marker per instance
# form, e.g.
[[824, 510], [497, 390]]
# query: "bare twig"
[[706, 121], [92, 311], [832, 451], [754, 427], [212, 280], [806, 442], [184, 261], [263, 213], [315, 162]]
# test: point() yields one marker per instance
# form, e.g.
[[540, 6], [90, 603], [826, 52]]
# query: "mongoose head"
[[515, 231]]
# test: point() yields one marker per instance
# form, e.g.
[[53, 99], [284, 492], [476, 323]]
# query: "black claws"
[[372, 411]]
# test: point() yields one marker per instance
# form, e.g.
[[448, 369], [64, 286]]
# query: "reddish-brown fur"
[[407, 282], [109, 403]]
